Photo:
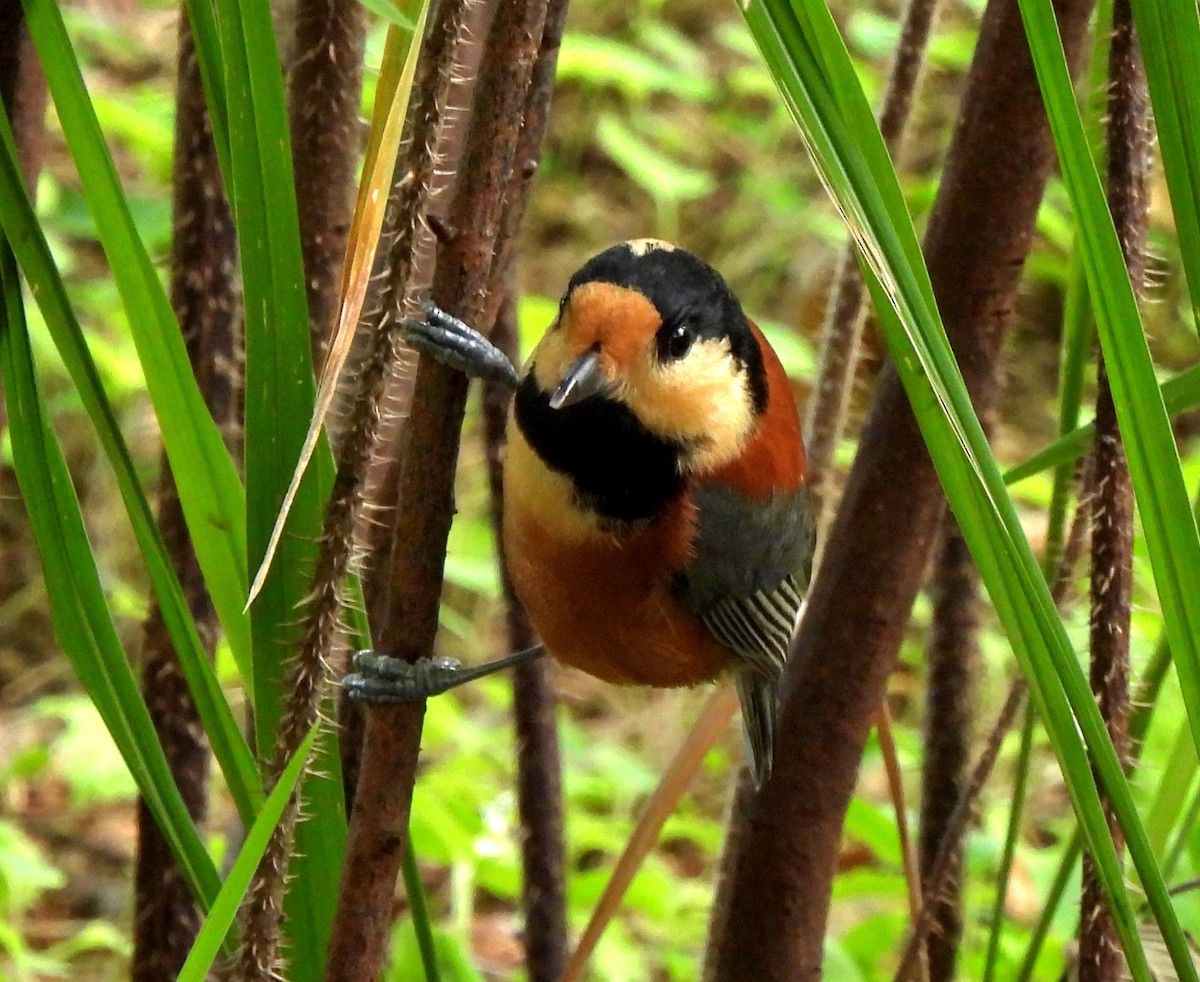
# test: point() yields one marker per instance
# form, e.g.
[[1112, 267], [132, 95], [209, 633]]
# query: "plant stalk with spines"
[[309, 683], [383, 798], [206, 297], [539, 764], [952, 660], [841, 335], [1128, 171], [324, 91]]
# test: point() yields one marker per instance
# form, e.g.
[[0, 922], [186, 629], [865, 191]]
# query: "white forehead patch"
[[639, 247]]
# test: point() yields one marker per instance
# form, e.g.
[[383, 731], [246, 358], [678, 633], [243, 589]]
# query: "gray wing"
[[746, 583]]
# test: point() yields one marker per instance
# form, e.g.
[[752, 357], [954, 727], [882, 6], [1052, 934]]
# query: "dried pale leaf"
[[391, 107], [710, 724]]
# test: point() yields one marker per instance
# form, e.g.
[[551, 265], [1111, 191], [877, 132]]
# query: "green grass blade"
[[279, 376], [224, 909], [82, 622], [210, 493], [225, 735], [422, 925], [1054, 897], [1169, 526], [869, 197], [279, 403], [1078, 334], [1169, 35], [1172, 793], [1178, 394], [1012, 835]]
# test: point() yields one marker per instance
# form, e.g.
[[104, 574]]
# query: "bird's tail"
[[759, 696]]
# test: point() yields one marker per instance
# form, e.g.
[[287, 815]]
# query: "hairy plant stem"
[[539, 765], [378, 831], [950, 704], [324, 86], [23, 95], [946, 863], [841, 337], [324, 94], [978, 236], [1129, 162], [205, 294]]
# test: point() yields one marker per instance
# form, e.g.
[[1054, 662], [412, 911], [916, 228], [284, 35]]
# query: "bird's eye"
[[675, 341]]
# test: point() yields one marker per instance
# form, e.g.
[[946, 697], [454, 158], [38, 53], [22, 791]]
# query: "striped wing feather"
[[758, 629]]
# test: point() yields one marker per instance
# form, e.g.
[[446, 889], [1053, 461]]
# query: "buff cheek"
[[701, 400]]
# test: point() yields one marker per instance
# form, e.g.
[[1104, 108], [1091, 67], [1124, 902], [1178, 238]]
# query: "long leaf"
[[848, 150], [279, 402], [1172, 538], [82, 622], [212, 498], [226, 737], [224, 909], [392, 95]]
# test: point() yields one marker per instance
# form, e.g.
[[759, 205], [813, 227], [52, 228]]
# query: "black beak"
[[583, 380]]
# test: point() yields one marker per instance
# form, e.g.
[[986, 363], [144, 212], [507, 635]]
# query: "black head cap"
[[683, 288]]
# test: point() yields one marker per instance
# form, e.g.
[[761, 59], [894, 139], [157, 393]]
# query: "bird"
[[657, 524]]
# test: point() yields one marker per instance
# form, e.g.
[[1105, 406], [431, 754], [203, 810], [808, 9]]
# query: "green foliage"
[[667, 122]]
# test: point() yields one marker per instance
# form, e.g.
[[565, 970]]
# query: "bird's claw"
[[384, 679], [458, 345]]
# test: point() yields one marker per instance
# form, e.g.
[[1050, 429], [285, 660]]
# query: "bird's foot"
[[383, 679], [458, 345]]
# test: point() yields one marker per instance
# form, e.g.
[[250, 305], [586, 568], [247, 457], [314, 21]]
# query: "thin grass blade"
[[1179, 394], [225, 735], [224, 909], [211, 495], [82, 623], [383, 143]]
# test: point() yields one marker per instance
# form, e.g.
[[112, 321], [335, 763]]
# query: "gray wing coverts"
[[747, 581]]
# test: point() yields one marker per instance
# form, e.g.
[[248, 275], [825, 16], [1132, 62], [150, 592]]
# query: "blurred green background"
[[666, 124]]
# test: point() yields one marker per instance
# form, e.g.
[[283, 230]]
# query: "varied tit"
[[657, 524]]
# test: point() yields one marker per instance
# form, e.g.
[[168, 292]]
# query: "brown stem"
[[978, 236], [308, 682], [953, 657], [539, 768], [323, 100], [946, 863], [1100, 956], [378, 832], [884, 731], [22, 90], [205, 295], [842, 333], [23, 95]]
